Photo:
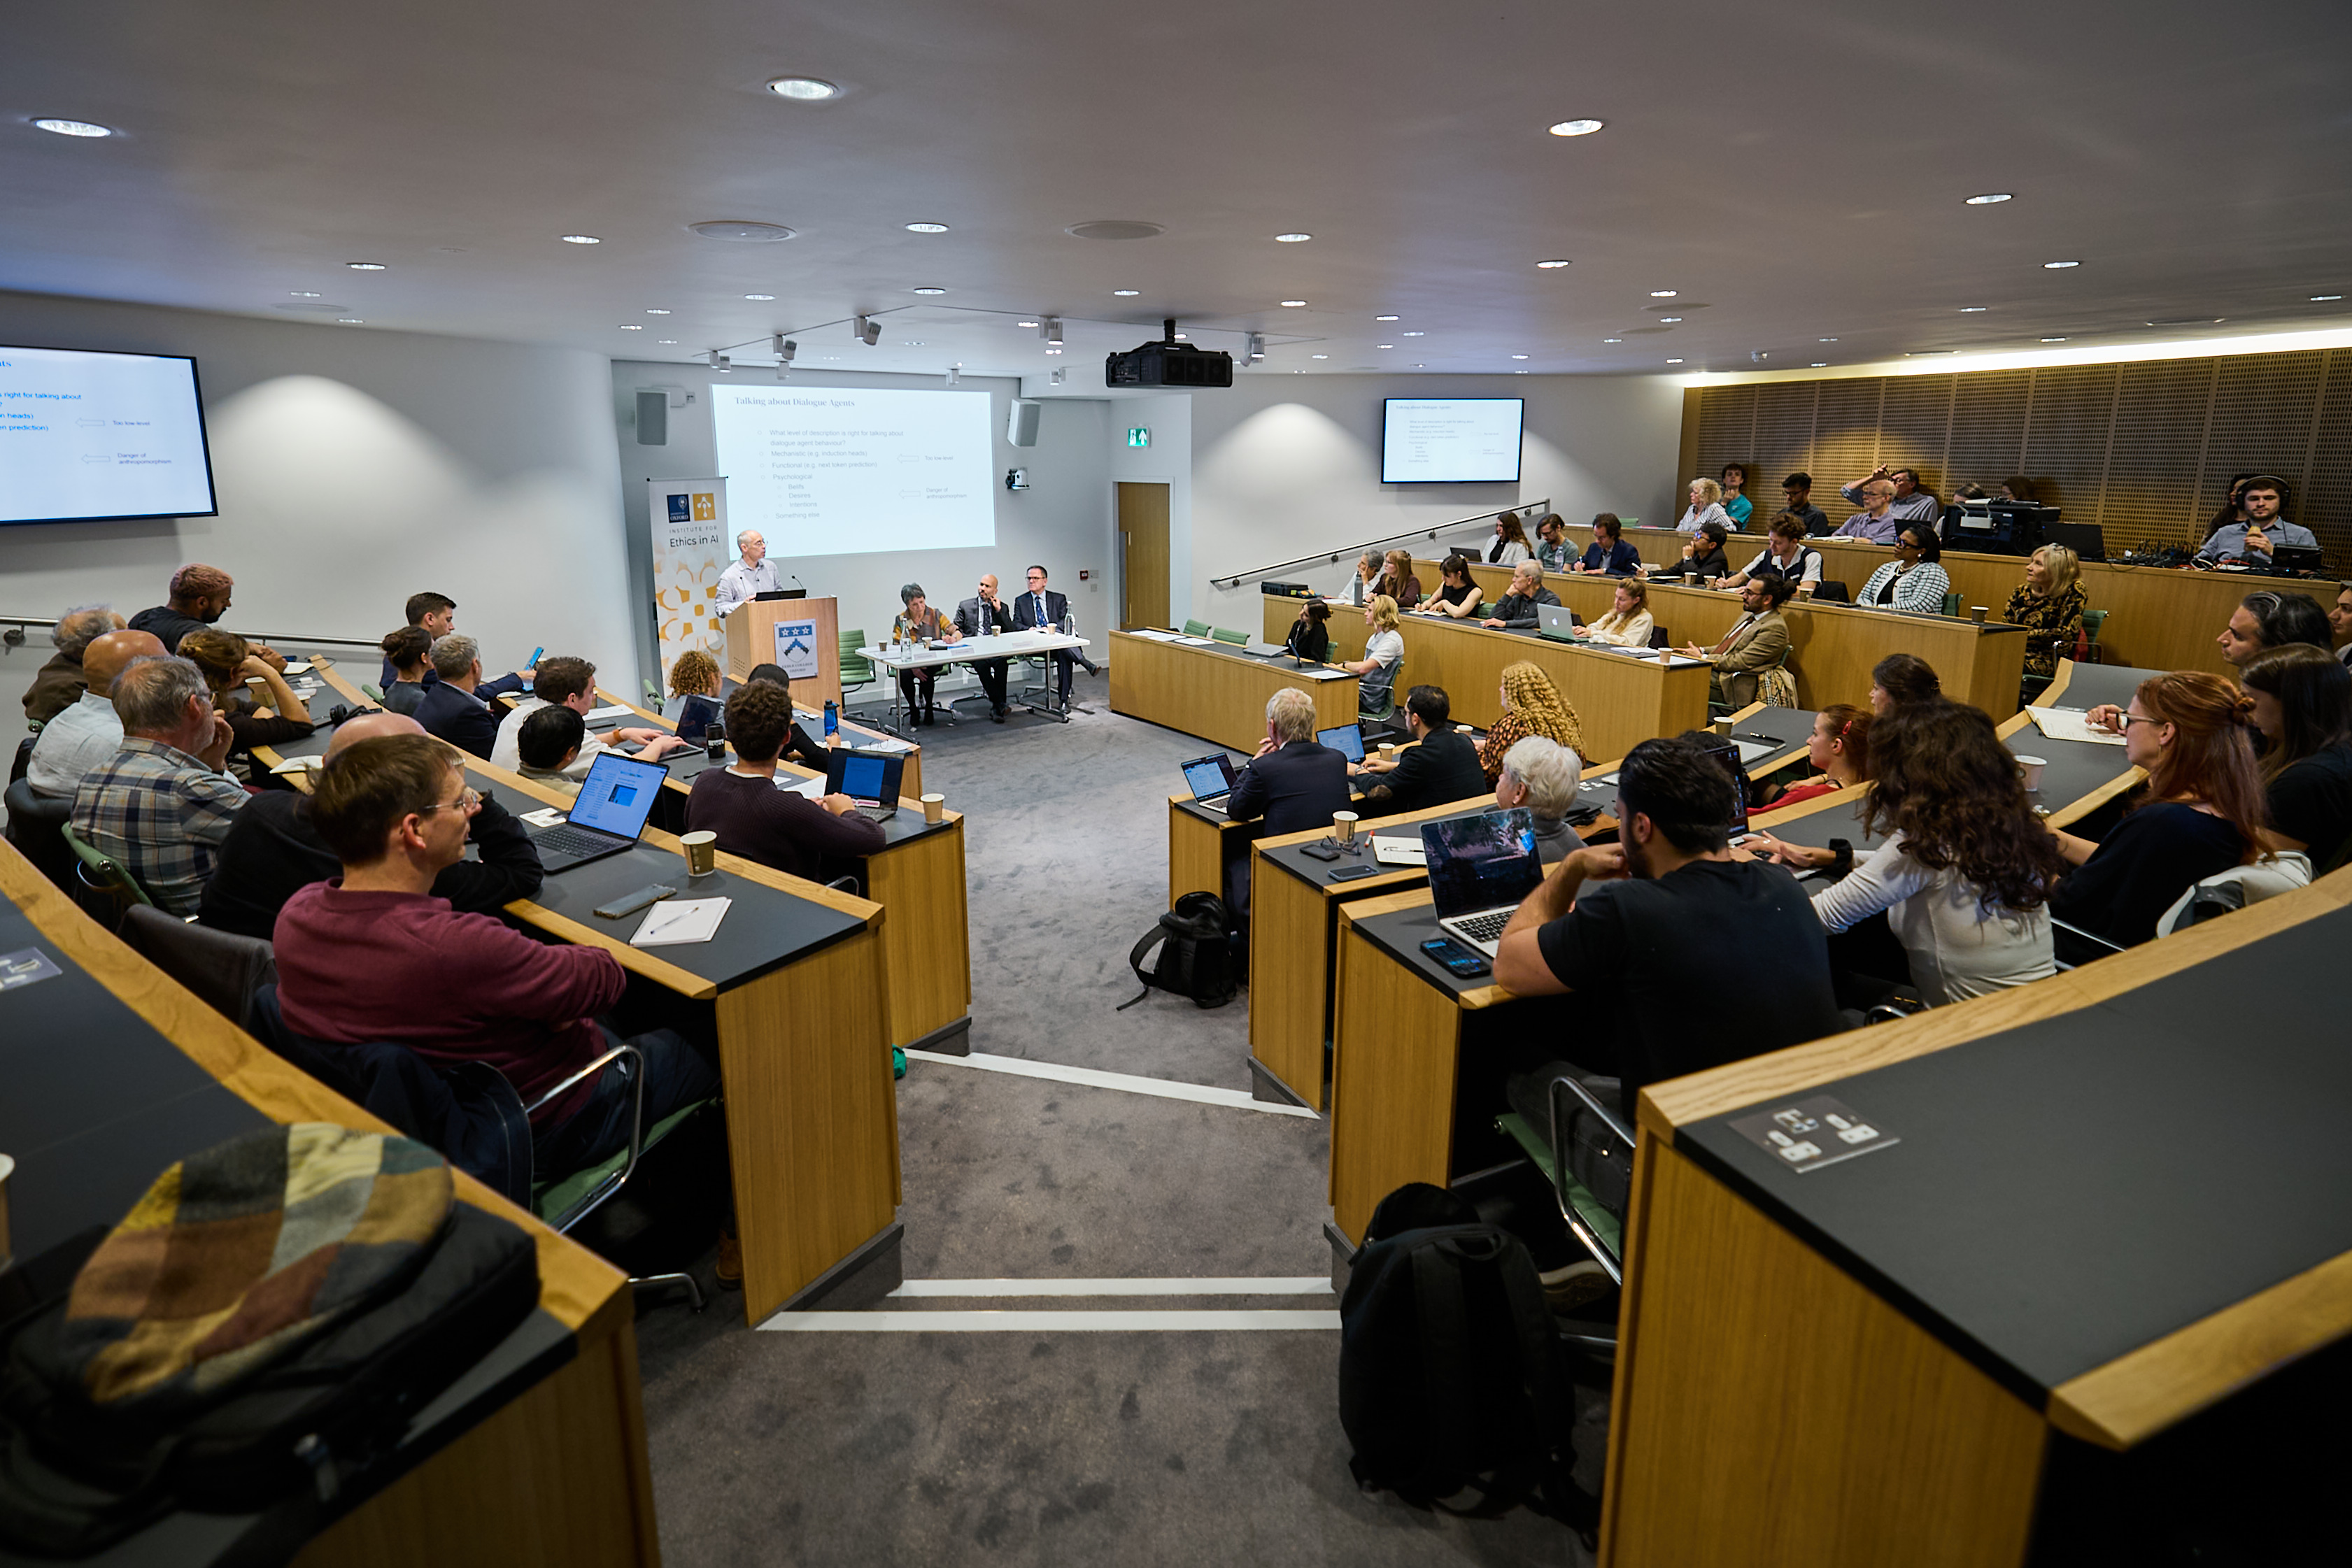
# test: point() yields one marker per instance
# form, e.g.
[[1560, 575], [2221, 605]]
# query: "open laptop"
[[1558, 621], [1346, 739], [775, 594], [1481, 868], [1264, 650], [1210, 780], [868, 777], [694, 715], [608, 816]]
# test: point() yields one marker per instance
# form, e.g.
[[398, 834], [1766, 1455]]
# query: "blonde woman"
[[2049, 604], [1397, 581], [1531, 705], [1383, 652], [1628, 622], [1705, 506]]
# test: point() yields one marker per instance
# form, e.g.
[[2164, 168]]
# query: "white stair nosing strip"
[[1143, 1321], [1295, 1285], [1094, 1078]]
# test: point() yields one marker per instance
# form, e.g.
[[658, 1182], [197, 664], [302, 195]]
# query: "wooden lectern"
[[752, 641]]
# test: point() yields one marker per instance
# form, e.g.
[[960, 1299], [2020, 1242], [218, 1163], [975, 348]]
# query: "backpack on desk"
[[1451, 1375], [1195, 953]]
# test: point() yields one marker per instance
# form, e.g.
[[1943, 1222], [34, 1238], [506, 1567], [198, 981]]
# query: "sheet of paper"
[[1325, 674], [2071, 724], [812, 789], [675, 921], [886, 743], [296, 667], [615, 712], [545, 816], [1151, 635], [1195, 641], [298, 765]]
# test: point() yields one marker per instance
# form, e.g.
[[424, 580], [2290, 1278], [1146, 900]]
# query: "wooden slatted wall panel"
[[2146, 450]]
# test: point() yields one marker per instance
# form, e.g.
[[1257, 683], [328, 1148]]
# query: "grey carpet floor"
[[1053, 1448]]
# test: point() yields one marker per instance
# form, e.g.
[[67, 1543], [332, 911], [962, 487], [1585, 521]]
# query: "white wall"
[[1285, 466], [354, 468], [1167, 461], [1062, 520]]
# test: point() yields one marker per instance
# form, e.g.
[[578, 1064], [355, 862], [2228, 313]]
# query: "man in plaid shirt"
[[160, 807]]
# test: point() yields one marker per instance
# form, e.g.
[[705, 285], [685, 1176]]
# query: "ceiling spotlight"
[[1553, 266], [1663, 293], [1673, 361], [365, 266], [1060, 376], [1577, 127], [313, 294], [1519, 356], [1821, 364], [1384, 345], [671, 341], [1256, 345], [580, 239], [807, 90], [1612, 339], [1989, 198], [656, 312], [72, 127], [1052, 351], [1386, 318], [783, 347], [1052, 331], [759, 296], [631, 327], [2053, 339], [1973, 310], [1292, 239], [866, 329], [718, 360], [1293, 304], [1669, 319], [2323, 298], [2059, 265], [1826, 340], [927, 228], [1126, 293], [1318, 356], [954, 375], [930, 290], [1025, 323], [350, 321]]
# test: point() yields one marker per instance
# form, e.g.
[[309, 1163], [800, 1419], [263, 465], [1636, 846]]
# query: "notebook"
[[1480, 870]]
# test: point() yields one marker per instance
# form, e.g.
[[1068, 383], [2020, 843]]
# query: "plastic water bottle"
[[831, 720]]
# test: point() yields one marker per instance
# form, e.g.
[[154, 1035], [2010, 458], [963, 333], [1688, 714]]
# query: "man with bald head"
[[985, 614], [200, 596], [274, 852], [747, 579], [57, 684], [81, 739]]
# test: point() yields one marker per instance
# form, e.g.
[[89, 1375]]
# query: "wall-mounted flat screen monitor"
[[1450, 440], [86, 436]]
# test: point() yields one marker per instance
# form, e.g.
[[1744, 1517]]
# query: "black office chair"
[[36, 824], [23, 759], [1560, 1118], [225, 971]]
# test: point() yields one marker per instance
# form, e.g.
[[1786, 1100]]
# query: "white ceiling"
[[1796, 171]]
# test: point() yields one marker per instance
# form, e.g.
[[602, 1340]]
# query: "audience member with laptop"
[[755, 819], [1441, 767], [1293, 782], [572, 682]]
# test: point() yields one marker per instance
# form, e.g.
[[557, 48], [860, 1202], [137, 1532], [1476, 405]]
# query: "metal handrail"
[[45, 622], [1431, 532]]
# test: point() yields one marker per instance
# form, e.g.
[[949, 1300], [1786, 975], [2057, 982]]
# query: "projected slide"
[[843, 470], [86, 434], [1450, 440]]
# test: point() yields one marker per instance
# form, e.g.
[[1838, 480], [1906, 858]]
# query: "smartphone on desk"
[[1349, 873], [1464, 963]]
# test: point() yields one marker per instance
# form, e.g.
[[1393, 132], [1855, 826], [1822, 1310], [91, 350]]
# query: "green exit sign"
[[1140, 435]]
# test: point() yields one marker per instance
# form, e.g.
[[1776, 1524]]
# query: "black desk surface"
[[1283, 664], [766, 928], [98, 1104], [1293, 858], [2092, 685], [2068, 1191], [1400, 934], [1788, 729]]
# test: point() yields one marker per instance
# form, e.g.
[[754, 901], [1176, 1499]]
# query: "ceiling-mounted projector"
[[1170, 362]]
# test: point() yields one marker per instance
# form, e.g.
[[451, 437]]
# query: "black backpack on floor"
[[1450, 1375], [1196, 958]]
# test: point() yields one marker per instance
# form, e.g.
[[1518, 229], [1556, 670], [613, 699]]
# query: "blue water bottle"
[[831, 720]]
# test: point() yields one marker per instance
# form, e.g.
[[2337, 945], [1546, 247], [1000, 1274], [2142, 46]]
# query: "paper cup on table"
[[1690, 579], [935, 807], [2030, 769], [701, 852], [1977, 613], [7, 1166], [1388, 751], [1720, 726], [1343, 826]]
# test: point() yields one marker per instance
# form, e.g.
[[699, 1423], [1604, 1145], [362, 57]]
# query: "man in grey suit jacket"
[[983, 615]]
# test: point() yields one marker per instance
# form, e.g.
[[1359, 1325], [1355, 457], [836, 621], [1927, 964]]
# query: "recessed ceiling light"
[[1663, 293], [1419, 367], [1553, 266], [1669, 318], [1519, 356], [927, 228], [580, 239], [931, 291], [671, 341], [1293, 304], [365, 266], [631, 327], [2053, 339], [72, 127], [1383, 345], [1388, 318], [1973, 310], [1673, 361], [2321, 299], [1318, 356], [1821, 364], [1826, 340], [304, 293], [1577, 127], [1612, 339], [351, 320], [2059, 265], [1293, 239], [656, 312], [807, 90], [1989, 198], [1126, 293], [910, 342], [759, 296], [1025, 323], [1416, 334], [1518, 372]]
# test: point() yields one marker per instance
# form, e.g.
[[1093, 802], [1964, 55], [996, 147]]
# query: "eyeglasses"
[[2132, 718], [470, 800]]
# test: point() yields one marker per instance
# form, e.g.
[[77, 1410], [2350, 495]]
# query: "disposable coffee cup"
[[935, 807], [1388, 751], [7, 1252], [1720, 726], [1343, 826], [1690, 579], [701, 852], [2030, 769], [1977, 613]]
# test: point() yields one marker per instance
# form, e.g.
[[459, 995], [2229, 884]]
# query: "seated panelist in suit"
[[1041, 606], [452, 707], [1442, 768], [1292, 782], [984, 614]]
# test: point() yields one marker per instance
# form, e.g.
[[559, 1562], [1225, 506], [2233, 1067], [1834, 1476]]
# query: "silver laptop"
[[1346, 739], [1558, 621], [1210, 780], [1266, 650], [1481, 868], [607, 816]]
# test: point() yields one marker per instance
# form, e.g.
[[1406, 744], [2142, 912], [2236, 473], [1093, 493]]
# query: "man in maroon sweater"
[[754, 819], [373, 955]]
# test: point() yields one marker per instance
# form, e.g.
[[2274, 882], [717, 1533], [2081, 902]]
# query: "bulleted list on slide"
[[87, 434], [843, 470]]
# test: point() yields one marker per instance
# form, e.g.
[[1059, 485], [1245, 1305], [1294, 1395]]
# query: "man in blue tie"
[[1040, 606]]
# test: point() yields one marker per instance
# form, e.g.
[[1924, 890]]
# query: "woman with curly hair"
[[1531, 705], [2200, 817], [1965, 872], [694, 675]]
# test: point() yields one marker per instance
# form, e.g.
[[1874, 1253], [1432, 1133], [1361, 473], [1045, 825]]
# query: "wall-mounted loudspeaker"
[[653, 419], [1021, 426]]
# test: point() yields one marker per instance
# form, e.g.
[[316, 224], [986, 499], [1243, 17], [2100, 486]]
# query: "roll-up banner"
[[691, 545]]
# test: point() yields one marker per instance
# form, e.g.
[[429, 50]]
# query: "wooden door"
[[1143, 555]]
